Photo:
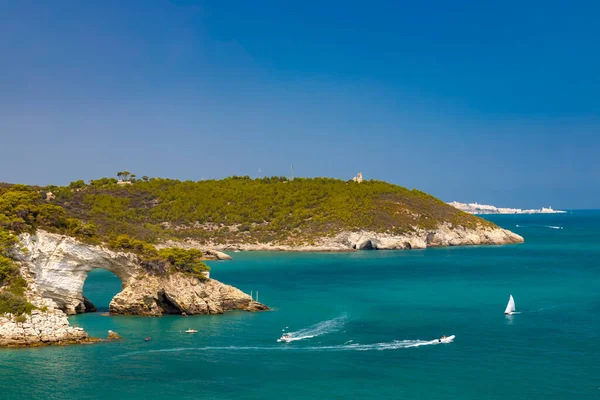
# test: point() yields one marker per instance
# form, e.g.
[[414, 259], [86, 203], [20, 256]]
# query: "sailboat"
[[510, 307]]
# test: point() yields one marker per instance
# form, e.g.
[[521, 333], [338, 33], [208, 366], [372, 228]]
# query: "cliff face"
[[56, 267], [59, 265]]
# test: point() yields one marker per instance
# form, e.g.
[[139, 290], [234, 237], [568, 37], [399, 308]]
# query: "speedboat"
[[191, 331], [285, 338], [446, 339]]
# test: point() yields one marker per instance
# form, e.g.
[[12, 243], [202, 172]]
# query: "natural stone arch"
[[58, 266]]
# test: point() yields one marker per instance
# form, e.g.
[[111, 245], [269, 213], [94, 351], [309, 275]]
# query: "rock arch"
[[57, 267]]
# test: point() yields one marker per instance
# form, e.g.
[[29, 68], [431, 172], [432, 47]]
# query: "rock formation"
[[113, 335], [217, 254], [50, 326], [59, 266], [56, 267], [179, 293], [444, 235]]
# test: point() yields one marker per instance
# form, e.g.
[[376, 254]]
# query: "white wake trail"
[[321, 328], [393, 345]]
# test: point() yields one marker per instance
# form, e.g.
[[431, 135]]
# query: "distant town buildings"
[[476, 208], [358, 178]]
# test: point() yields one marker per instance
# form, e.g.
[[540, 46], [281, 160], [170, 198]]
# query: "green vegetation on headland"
[[132, 215], [24, 209], [244, 210]]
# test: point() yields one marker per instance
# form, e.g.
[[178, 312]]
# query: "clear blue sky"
[[496, 102]]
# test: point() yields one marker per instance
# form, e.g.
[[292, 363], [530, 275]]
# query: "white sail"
[[510, 308]]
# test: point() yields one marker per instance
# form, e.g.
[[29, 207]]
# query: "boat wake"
[[393, 345], [539, 226], [551, 307], [322, 328]]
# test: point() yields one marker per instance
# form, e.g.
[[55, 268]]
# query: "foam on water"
[[393, 345], [321, 328], [539, 226]]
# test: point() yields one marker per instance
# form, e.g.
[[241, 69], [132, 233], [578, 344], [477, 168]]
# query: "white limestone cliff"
[[56, 267], [443, 235]]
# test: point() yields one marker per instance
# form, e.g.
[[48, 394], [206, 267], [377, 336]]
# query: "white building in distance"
[[358, 178]]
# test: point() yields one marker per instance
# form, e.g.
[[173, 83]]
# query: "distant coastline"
[[476, 208]]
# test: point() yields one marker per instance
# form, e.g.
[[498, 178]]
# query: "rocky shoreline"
[[48, 327], [55, 268], [347, 241]]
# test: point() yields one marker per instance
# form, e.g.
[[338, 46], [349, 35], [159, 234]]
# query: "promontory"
[[155, 234]]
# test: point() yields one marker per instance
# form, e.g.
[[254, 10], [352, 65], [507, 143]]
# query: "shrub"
[[8, 270], [77, 184], [14, 304], [187, 261], [21, 319]]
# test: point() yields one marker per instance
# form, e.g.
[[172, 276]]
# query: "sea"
[[365, 326]]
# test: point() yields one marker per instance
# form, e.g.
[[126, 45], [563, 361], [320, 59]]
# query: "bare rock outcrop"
[[113, 335], [56, 267], [59, 266], [443, 235], [47, 327], [180, 293], [219, 255]]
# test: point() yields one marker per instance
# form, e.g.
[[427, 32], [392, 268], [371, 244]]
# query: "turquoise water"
[[372, 307]]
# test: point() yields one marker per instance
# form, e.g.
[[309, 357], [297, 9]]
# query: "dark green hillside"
[[240, 209]]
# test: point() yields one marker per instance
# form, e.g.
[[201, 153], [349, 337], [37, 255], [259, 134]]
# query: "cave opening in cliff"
[[99, 289], [166, 304]]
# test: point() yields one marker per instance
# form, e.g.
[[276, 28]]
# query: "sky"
[[494, 102]]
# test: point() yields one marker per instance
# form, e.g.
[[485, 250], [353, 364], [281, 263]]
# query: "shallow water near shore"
[[365, 325]]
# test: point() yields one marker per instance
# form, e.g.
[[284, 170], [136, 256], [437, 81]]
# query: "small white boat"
[[447, 339], [285, 338], [510, 307], [191, 331]]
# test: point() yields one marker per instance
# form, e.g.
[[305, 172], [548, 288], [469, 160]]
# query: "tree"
[[77, 184], [145, 178], [132, 177], [123, 175]]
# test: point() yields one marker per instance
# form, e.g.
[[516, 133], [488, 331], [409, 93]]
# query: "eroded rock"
[[56, 267], [40, 328], [113, 335]]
